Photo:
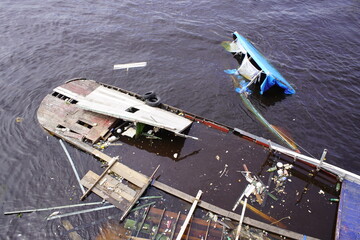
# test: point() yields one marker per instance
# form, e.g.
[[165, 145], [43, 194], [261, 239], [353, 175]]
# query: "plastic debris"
[[19, 119], [272, 169], [283, 173], [54, 214], [112, 139], [223, 171], [255, 186], [338, 185]]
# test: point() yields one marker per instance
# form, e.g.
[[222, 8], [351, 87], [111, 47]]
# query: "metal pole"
[[51, 208], [321, 159], [72, 165], [79, 212]]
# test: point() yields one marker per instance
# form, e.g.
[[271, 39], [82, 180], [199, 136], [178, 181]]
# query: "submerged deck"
[[224, 151], [348, 221]]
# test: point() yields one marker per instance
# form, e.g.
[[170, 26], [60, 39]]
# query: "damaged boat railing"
[[320, 164]]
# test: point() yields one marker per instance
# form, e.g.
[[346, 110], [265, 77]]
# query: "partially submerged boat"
[[254, 66], [88, 114]]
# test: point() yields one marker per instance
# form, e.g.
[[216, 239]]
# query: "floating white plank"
[[129, 65]]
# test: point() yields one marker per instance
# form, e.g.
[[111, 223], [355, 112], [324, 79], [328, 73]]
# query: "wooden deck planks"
[[348, 220], [120, 199], [198, 227], [56, 112], [122, 170], [231, 215], [86, 86]]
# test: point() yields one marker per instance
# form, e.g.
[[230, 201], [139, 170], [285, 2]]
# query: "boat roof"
[[273, 76], [117, 104], [88, 99]]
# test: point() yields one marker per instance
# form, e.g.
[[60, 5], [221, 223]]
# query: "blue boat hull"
[[272, 76]]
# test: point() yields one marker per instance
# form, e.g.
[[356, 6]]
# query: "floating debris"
[[19, 119], [54, 214], [223, 171], [338, 186], [255, 186], [129, 65]]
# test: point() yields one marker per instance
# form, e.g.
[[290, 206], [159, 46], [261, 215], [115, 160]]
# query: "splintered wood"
[[110, 189]]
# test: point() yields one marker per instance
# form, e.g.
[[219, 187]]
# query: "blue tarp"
[[272, 75]]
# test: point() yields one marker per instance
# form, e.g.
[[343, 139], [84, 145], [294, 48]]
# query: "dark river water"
[[314, 44]]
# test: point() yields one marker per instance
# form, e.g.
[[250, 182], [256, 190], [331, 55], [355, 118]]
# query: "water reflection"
[[163, 143]]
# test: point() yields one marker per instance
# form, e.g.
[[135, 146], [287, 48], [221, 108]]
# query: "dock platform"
[[347, 226]]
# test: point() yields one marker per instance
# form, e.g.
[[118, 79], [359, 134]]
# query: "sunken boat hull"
[[67, 113]]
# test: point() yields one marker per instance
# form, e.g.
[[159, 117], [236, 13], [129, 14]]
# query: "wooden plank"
[[111, 163], [122, 189], [54, 112], [104, 191], [139, 194], [114, 185], [348, 219], [158, 225], [73, 235], [122, 170], [81, 87], [187, 219]]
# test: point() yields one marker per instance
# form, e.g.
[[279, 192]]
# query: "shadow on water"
[[272, 96], [162, 143]]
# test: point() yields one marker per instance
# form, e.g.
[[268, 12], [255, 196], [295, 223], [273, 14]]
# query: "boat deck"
[[348, 220], [222, 149]]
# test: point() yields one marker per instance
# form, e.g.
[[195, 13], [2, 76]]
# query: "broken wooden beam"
[[174, 227], [138, 195], [111, 163], [192, 209], [143, 220], [238, 229], [159, 224], [111, 190]]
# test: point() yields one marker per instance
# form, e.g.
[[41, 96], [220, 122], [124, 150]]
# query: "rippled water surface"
[[314, 44]]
